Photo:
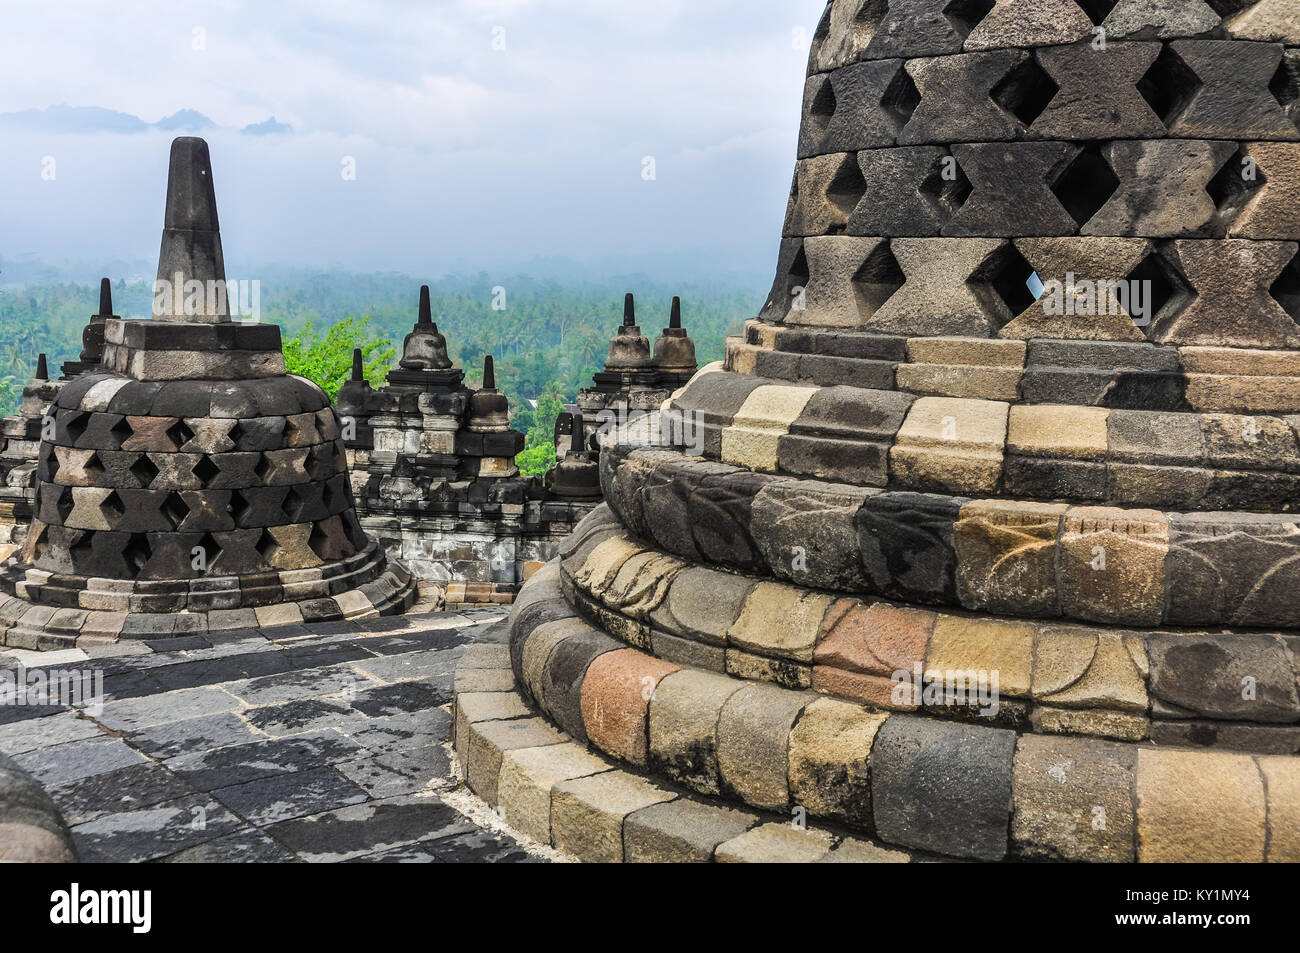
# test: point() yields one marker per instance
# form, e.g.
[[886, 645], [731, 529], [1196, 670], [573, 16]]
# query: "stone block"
[[942, 787], [764, 668], [805, 533], [587, 814], [489, 740], [780, 621], [1273, 210], [947, 291], [754, 744], [951, 445], [1069, 263], [1162, 189], [877, 639], [702, 604], [1122, 726], [830, 760], [1086, 668], [775, 844], [1198, 806], [1098, 97], [848, 280], [1282, 782], [1030, 23], [957, 103], [616, 696], [1073, 800], [680, 831], [906, 194], [827, 190], [977, 644], [1110, 565], [1161, 19], [1006, 555], [683, 724], [527, 778], [563, 674], [1232, 98], [1011, 187], [906, 540], [1236, 569], [863, 109], [1236, 677], [752, 439]]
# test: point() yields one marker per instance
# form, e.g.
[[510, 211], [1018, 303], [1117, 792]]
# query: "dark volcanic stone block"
[[665, 504], [806, 534], [906, 541], [1098, 97], [863, 112], [1012, 190], [1232, 98], [957, 102], [720, 511], [1233, 569], [1236, 677], [563, 675], [1041, 479], [1147, 390], [943, 787], [183, 399], [904, 186]]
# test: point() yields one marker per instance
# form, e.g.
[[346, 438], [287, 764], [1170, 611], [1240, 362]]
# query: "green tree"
[[536, 460], [327, 359]]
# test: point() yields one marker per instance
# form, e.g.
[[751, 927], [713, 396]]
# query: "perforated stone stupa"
[[190, 484], [1020, 415]]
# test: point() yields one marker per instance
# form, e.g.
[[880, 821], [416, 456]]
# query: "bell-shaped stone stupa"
[[993, 546], [190, 484]]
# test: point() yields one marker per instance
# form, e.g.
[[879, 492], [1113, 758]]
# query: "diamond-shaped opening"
[[847, 187], [1169, 86], [51, 460], [235, 433], [122, 431], [319, 541], [137, 552], [946, 187], [1238, 180], [1286, 290], [264, 468], [76, 426], [822, 109], [94, 467], [965, 15], [175, 509], [64, 503], [1025, 91], [877, 280], [180, 433], [901, 97], [1285, 85], [144, 470], [83, 549], [267, 547], [211, 550], [1097, 10], [112, 509], [293, 504], [1006, 275], [238, 507], [1086, 185], [205, 470], [1229, 8], [1162, 289], [38, 543]]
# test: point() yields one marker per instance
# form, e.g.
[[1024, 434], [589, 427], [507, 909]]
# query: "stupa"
[[993, 545], [191, 484]]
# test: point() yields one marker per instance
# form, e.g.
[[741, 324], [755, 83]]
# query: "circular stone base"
[[39, 610]]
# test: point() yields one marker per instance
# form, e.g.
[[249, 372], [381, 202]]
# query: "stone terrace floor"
[[326, 742]]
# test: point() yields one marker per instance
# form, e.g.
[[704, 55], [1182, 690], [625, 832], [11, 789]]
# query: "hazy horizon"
[[468, 157]]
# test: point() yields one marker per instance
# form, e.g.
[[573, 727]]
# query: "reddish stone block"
[[876, 639], [616, 696]]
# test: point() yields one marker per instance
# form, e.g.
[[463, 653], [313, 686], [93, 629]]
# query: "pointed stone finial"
[[358, 371], [426, 309], [489, 374], [675, 351], [675, 320], [42, 371], [105, 298], [629, 312], [191, 242], [577, 442]]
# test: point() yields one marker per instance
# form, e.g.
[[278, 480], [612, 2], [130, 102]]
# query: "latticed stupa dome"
[[1019, 413], [189, 483]]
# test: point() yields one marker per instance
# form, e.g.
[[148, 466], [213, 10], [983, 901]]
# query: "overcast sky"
[[467, 157]]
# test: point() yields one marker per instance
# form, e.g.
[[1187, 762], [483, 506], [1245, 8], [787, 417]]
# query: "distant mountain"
[[186, 120], [74, 119], [268, 128], [90, 119]]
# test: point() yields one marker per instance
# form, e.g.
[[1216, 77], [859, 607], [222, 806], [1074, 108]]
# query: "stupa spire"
[[191, 242]]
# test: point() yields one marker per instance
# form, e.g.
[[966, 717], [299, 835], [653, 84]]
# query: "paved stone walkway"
[[326, 742]]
